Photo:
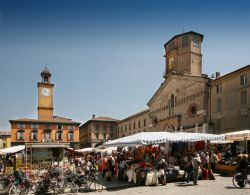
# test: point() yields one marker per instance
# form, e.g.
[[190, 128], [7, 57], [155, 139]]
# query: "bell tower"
[[183, 54], [45, 96]]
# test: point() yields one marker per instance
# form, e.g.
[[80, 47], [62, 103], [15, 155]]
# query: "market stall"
[[243, 135], [144, 153]]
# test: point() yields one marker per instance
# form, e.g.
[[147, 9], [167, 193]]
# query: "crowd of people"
[[118, 165]]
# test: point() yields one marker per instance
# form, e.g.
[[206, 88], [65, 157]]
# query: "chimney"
[[93, 116], [217, 75]]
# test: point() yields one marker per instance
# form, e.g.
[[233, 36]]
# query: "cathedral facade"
[[189, 100]]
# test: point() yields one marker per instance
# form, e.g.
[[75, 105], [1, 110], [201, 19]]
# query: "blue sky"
[[106, 56]]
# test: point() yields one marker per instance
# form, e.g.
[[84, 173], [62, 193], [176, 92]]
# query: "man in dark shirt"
[[243, 165]]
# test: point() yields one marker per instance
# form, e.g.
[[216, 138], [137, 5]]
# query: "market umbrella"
[[11, 150], [243, 135]]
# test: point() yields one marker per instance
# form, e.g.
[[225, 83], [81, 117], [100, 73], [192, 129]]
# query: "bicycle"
[[240, 179]]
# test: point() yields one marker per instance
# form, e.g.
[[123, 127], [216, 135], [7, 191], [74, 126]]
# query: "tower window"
[[196, 40], [184, 40]]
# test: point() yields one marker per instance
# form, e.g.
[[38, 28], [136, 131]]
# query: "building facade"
[[5, 140], [230, 101], [97, 131], [136, 123], [189, 100], [47, 128]]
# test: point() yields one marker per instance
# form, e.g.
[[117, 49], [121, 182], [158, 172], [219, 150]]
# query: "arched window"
[[59, 135], [20, 134], [34, 135], [172, 101], [47, 134], [71, 135]]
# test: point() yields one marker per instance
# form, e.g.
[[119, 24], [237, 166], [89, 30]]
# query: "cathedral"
[[189, 100]]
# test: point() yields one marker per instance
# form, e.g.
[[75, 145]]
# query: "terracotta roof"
[[4, 133], [56, 119], [104, 118]]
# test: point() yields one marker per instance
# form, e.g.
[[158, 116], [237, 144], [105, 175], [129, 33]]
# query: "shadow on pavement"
[[234, 188], [184, 184]]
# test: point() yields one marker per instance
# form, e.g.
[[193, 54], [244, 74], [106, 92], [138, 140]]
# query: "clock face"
[[45, 91]]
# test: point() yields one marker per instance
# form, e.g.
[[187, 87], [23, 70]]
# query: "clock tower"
[[45, 96]]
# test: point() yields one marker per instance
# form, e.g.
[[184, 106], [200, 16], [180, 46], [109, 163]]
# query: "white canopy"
[[109, 150], [238, 135], [148, 138], [11, 150], [85, 150]]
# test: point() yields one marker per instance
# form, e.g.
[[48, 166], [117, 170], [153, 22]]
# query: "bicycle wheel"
[[238, 180], [98, 186], [14, 190]]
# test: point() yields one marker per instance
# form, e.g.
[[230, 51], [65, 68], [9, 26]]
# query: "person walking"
[[196, 160], [213, 160], [189, 169]]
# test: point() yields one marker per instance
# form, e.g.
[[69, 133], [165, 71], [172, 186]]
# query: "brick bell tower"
[[45, 96]]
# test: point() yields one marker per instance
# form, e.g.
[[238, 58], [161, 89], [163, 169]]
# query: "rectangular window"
[[34, 126], [71, 127], [218, 105], [243, 79], [218, 89], [196, 40], [184, 40], [111, 128], [20, 135], [134, 125], [20, 126], [218, 124], [243, 97], [139, 124], [97, 135], [34, 135], [244, 120], [71, 136], [125, 128], [129, 127], [59, 126], [144, 122]]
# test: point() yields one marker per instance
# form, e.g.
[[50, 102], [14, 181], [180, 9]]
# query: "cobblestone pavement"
[[220, 186]]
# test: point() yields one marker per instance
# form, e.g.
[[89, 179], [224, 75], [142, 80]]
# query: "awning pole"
[[246, 149], [26, 157]]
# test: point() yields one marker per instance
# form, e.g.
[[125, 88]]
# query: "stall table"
[[227, 170]]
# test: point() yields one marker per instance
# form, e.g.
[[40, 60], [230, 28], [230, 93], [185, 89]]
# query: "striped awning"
[[238, 135], [149, 138]]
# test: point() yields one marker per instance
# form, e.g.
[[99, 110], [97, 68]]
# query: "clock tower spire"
[[45, 96]]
